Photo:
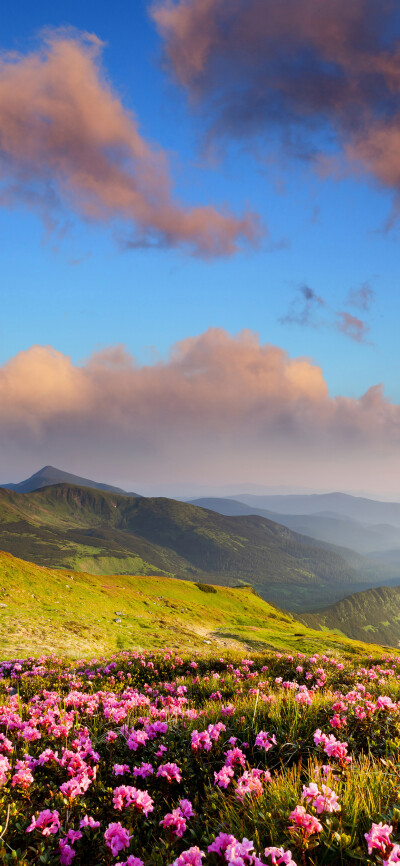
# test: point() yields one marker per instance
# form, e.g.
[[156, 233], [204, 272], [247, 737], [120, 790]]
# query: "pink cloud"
[[67, 140], [294, 68], [219, 408]]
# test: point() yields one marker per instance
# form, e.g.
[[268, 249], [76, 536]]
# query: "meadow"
[[160, 759]]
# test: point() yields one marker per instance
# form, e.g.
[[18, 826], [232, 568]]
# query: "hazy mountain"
[[330, 527], [50, 475], [372, 615], [355, 507], [104, 533]]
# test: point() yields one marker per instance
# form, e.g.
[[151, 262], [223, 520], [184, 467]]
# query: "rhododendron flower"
[[224, 777], [221, 843], [379, 837], [117, 838], [143, 771], [265, 741], [251, 783], [5, 766], [186, 808], [302, 820], [47, 821], [88, 821], [120, 769], [325, 802], [22, 776], [175, 821], [170, 772], [278, 856], [191, 857], [67, 853], [127, 795], [235, 757]]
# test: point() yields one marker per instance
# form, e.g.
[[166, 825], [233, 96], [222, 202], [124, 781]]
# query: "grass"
[[73, 613]]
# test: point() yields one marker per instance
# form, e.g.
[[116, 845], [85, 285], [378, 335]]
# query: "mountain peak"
[[49, 475]]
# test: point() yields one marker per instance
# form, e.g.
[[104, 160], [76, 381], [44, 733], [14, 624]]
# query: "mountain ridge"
[[101, 532]]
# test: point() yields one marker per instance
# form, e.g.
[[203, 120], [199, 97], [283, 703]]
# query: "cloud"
[[310, 310], [312, 75], [66, 141], [352, 326], [361, 298], [301, 310], [219, 408]]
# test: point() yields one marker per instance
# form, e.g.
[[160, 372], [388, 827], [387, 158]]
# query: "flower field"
[[158, 759]]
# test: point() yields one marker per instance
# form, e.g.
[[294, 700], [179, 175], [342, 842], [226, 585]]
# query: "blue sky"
[[76, 289]]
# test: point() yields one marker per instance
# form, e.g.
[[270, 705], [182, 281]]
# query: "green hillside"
[[75, 614], [72, 527], [370, 615]]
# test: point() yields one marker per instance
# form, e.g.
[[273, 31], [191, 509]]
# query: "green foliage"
[[43, 609], [372, 614], [205, 587], [99, 532]]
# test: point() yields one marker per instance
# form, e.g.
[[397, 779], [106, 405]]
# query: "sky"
[[199, 235]]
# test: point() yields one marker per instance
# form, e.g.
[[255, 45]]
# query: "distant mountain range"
[[380, 540], [50, 475], [355, 507], [102, 532], [372, 615]]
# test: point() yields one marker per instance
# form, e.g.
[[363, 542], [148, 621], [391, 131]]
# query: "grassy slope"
[[373, 614], [76, 614], [88, 530]]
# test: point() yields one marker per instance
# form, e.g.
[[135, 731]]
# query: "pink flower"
[[175, 821], [5, 766], [143, 771], [127, 795], [88, 821], [221, 843], [307, 823], [325, 802], [117, 838], [278, 856], [47, 821], [67, 853], [251, 783], [186, 808], [170, 772], [120, 769], [191, 857], [265, 741], [22, 776], [224, 777], [378, 837], [235, 756]]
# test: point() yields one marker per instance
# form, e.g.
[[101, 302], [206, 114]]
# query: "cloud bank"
[[316, 73], [66, 140], [219, 409]]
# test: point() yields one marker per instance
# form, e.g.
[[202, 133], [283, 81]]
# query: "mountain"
[[333, 528], [68, 526], [50, 475], [372, 615], [77, 614], [355, 507]]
